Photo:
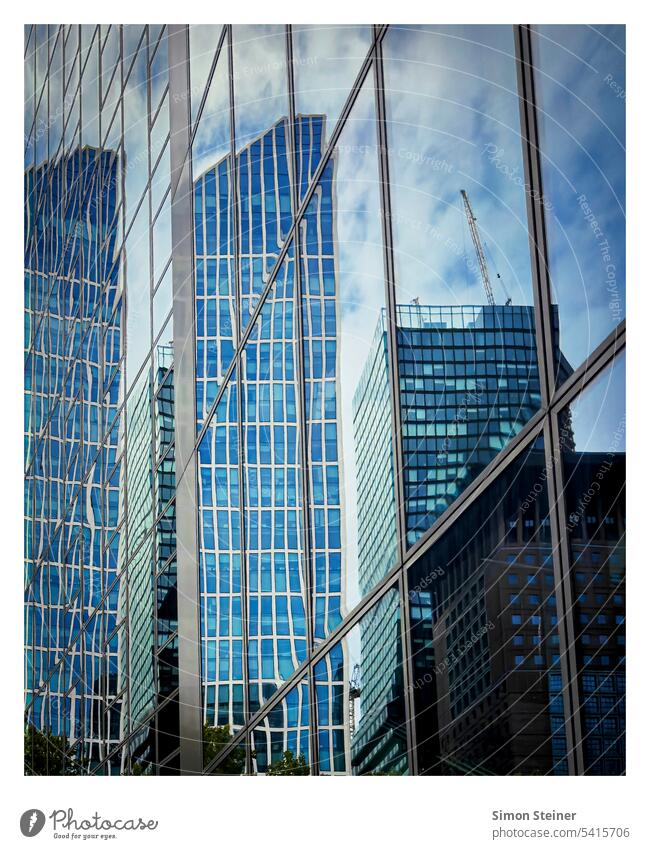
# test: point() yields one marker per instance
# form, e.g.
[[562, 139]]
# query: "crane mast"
[[353, 694], [471, 220]]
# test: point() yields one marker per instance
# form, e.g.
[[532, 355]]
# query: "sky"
[[453, 123], [598, 414], [583, 146]]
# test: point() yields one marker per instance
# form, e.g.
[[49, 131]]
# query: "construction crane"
[[353, 694], [480, 253]]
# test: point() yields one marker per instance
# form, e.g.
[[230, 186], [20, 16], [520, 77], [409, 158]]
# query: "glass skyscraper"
[[315, 483]]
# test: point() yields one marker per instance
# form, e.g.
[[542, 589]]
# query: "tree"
[[138, 768], [215, 740], [381, 772], [44, 754], [289, 765]]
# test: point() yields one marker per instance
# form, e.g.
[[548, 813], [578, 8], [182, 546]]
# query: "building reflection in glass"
[[296, 501], [73, 483], [468, 383], [153, 644], [360, 697], [486, 664], [594, 485]]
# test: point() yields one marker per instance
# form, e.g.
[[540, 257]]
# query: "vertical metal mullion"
[[535, 212], [189, 630], [389, 280], [104, 741], [393, 376], [152, 403], [234, 211], [565, 600], [302, 417], [546, 364], [122, 411]]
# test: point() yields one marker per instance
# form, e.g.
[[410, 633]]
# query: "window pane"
[[215, 740], [272, 493], [135, 132], [90, 86], [594, 488], [485, 645], [360, 697], [264, 210], [466, 326], [138, 290], [326, 61], [280, 741], [260, 79], [347, 399], [211, 141], [216, 315], [220, 566], [204, 39], [580, 83]]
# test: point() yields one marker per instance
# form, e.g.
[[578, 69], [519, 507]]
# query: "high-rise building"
[[266, 449], [282, 514], [468, 383], [72, 505]]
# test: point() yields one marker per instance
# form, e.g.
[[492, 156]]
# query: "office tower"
[[268, 457], [73, 483], [468, 383]]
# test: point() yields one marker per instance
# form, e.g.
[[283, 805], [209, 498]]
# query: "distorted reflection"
[[219, 531], [326, 60], [360, 697], [347, 401], [273, 538], [300, 415], [280, 742]]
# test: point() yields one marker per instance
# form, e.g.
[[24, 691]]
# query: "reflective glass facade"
[[324, 400]]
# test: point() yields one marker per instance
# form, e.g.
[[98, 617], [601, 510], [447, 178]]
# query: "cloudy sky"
[[581, 86]]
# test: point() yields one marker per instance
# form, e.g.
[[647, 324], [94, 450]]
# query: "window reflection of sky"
[[453, 123], [598, 414], [212, 140], [204, 39], [358, 246], [581, 89], [260, 79], [326, 62]]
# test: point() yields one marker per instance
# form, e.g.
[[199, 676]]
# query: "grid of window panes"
[[476, 368], [372, 444], [276, 635], [362, 368], [98, 308]]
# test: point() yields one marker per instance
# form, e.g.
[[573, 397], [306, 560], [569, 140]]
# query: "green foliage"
[[44, 754], [386, 772], [138, 769], [289, 765], [215, 740]]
